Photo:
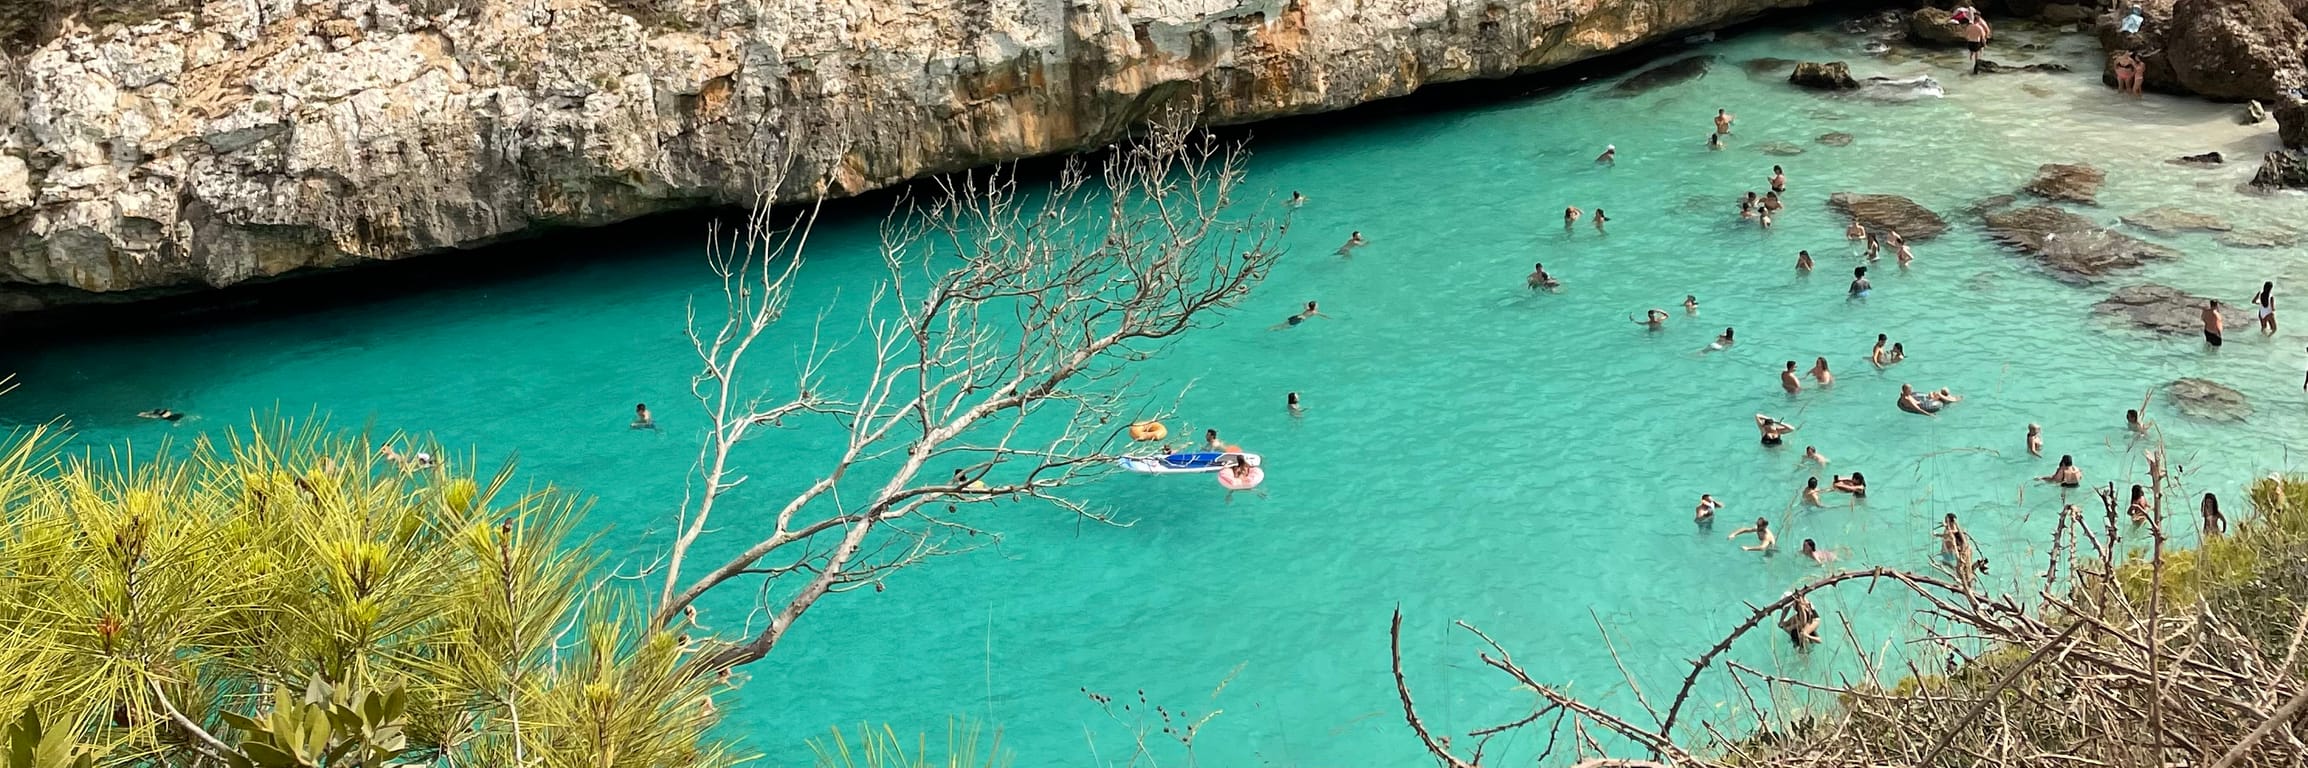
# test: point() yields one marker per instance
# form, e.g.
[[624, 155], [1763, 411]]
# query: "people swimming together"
[[1539, 278], [1928, 403]]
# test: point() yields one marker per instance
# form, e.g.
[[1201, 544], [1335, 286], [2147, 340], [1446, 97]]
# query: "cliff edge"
[[170, 145]]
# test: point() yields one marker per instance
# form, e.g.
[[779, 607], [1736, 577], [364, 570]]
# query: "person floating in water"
[[2264, 308], [1723, 120], [1774, 431], [162, 414], [1655, 319], [1691, 305], [1803, 261], [1211, 443], [1295, 408], [641, 419], [1599, 219], [1789, 381], [2066, 475], [2212, 324], [1859, 285], [1811, 550], [2035, 441], [1820, 373], [1764, 538], [1352, 242], [1722, 342], [1610, 155], [1540, 279], [1571, 216], [1811, 455], [1296, 199], [1910, 403], [1304, 315], [1778, 179], [1707, 507]]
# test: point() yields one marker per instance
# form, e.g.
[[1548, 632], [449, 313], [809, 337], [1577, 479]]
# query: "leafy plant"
[[331, 726], [32, 746]]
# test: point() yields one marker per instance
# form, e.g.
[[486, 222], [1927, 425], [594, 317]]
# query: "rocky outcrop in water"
[[1986, 67], [1934, 26], [2167, 220], [1676, 72], [2165, 309], [1827, 76], [2071, 182], [211, 142], [1892, 212], [2208, 400], [2281, 169], [2075, 249]]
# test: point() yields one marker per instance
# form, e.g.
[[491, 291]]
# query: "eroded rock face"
[[2075, 249], [2165, 309], [2208, 400], [2235, 49], [231, 140], [2076, 182], [1933, 25], [1824, 76], [2281, 169], [1881, 212]]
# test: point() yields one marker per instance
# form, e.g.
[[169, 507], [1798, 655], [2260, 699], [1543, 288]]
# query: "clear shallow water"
[[1469, 451]]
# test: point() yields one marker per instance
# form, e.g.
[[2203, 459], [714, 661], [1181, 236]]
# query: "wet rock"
[[2073, 182], [2208, 400], [2208, 158], [2235, 49], [1823, 76], [2281, 169], [1901, 88], [1986, 204], [1881, 212], [2075, 249], [1779, 149], [1933, 25], [2292, 122], [2036, 90], [2164, 309], [1672, 73], [2148, 44], [1836, 139], [2064, 14], [2260, 238], [2167, 220], [1986, 67], [1767, 66], [2254, 113]]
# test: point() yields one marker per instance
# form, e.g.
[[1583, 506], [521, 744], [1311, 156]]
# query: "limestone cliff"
[[211, 142]]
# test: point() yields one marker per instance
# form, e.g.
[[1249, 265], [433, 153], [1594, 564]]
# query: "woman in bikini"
[[1774, 431], [1856, 485]]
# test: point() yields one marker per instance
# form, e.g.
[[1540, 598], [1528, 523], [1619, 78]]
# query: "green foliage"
[[437, 614], [31, 746], [883, 748]]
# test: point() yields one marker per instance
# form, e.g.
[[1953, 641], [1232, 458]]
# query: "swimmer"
[[1954, 543], [1811, 550], [1820, 373], [1610, 155], [1910, 403], [1540, 279], [2067, 475], [2035, 441], [1859, 285], [1855, 232], [1599, 219], [1764, 539], [1874, 248], [1801, 622], [1723, 120], [963, 482], [1707, 507], [1803, 261], [1764, 218], [1571, 216], [1939, 398], [1905, 256], [1811, 455], [2264, 308], [1789, 381], [1876, 356], [162, 414], [1656, 319], [1295, 408], [1690, 305], [1774, 431], [1211, 443], [1296, 199], [641, 419], [1771, 201], [2132, 422], [1891, 236], [2214, 523], [1722, 342], [1352, 242], [1715, 142], [1304, 315], [2140, 509], [1898, 353], [1749, 205], [1778, 179], [1811, 492], [1856, 485]]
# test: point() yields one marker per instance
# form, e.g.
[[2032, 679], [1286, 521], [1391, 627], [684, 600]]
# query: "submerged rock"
[[1881, 212], [2074, 248], [2281, 169], [1827, 76], [2165, 219], [1991, 202], [1900, 88], [1676, 72], [2260, 238], [2208, 400], [2164, 309], [1767, 66], [1836, 139], [1779, 149], [2073, 182], [2208, 158], [1986, 67]]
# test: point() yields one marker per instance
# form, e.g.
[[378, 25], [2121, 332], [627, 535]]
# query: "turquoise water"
[[1469, 450]]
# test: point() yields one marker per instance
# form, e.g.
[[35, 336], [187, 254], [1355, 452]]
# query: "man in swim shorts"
[[1788, 380], [2212, 323], [1723, 120]]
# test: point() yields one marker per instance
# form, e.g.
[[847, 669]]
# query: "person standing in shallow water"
[[2264, 308], [2035, 441], [1599, 219], [2212, 324], [1571, 216], [1778, 179], [1803, 261], [1789, 381], [1819, 372], [1540, 279], [1723, 120], [641, 418], [1296, 410], [1859, 285], [1610, 155], [1715, 142]]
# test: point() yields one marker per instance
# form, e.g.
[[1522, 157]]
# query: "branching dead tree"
[[1000, 350]]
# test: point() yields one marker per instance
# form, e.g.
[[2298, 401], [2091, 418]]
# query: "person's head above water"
[[1859, 271], [1809, 547], [2067, 461], [2132, 415], [1775, 170], [1790, 366], [1880, 338], [1293, 398], [1812, 484], [2138, 492], [1726, 333], [1310, 306]]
